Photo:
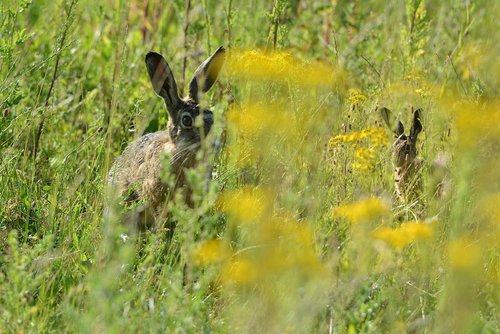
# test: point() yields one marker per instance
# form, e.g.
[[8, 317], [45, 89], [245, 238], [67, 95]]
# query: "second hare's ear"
[[389, 118], [400, 130], [416, 127], [163, 80], [205, 75], [386, 116]]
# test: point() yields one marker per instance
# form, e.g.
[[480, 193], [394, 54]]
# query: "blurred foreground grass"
[[300, 230]]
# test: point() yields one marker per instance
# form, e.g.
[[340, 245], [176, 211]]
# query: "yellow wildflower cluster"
[[355, 96], [364, 158], [365, 143], [251, 119], [376, 137], [255, 125], [210, 252], [282, 247], [403, 235], [275, 245], [414, 76], [291, 245], [478, 122], [246, 205], [488, 208], [239, 270], [279, 246], [463, 253], [234, 269], [282, 66], [361, 211], [423, 92]]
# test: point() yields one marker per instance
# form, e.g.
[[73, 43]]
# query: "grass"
[[299, 229]]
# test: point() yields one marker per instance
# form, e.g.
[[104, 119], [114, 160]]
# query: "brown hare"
[[137, 173], [404, 156]]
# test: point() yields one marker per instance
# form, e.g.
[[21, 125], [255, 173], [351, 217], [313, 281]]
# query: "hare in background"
[[404, 156], [137, 173]]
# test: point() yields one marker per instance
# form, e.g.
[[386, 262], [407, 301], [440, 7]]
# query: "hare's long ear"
[[400, 130], [163, 80], [389, 118], [206, 74], [386, 116], [416, 127]]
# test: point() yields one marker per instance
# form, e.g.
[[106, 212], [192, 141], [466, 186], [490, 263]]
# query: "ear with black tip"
[[205, 75], [389, 118], [400, 130], [163, 80], [416, 127], [386, 116]]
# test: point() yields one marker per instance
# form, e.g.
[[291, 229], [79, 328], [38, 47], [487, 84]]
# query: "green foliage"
[[415, 32], [68, 262]]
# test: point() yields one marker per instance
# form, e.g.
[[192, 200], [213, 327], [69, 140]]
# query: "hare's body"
[[407, 180], [407, 166], [139, 173]]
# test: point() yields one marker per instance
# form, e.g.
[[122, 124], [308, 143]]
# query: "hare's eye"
[[186, 121]]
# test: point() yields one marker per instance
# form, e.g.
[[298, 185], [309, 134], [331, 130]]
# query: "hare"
[[137, 173], [404, 156]]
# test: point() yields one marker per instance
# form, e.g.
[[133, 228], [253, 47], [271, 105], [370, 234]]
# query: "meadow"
[[299, 229]]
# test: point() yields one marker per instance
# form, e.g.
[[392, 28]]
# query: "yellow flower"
[[247, 204], [251, 119], [356, 96], [365, 143], [280, 66], [376, 137], [476, 123], [365, 158], [363, 153], [239, 271], [210, 251], [283, 245], [363, 210], [422, 92], [257, 65], [463, 253], [488, 210], [403, 235]]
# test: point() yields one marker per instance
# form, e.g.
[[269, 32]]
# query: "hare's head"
[[188, 122], [405, 146]]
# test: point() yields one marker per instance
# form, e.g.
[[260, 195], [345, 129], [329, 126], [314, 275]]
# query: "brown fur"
[[407, 165], [407, 180], [138, 174], [139, 168]]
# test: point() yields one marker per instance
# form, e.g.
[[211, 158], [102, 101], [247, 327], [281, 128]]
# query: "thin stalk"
[[229, 23], [186, 29], [60, 45], [273, 36], [207, 19]]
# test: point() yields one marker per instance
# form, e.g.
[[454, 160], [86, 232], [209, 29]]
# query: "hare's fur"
[[407, 165], [137, 173], [407, 180]]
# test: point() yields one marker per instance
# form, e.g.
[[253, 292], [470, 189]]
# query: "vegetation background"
[[299, 230]]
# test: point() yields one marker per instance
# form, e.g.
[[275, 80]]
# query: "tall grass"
[[299, 229]]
